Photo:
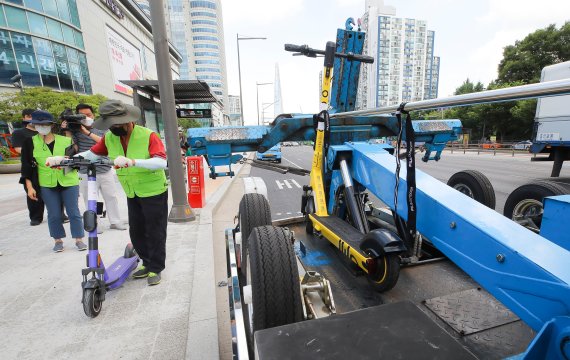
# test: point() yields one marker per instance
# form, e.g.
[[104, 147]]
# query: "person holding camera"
[[42, 152], [80, 126]]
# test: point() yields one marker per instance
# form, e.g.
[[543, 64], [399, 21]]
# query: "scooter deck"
[[343, 230], [119, 271], [391, 331]]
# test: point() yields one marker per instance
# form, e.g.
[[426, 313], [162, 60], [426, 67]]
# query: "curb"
[[202, 341]]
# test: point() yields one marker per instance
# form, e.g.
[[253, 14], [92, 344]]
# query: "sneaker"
[[100, 229], [142, 272], [58, 247], [153, 278], [80, 245], [64, 219], [35, 222], [118, 226]]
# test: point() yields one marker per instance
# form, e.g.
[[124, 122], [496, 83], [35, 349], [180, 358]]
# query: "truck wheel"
[[475, 185], [385, 272], [524, 204], [273, 277], [254, 211]]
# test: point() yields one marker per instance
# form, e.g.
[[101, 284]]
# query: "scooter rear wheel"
[[92, 303]]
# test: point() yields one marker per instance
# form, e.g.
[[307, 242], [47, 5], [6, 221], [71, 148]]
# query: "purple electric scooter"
[[97, 279]]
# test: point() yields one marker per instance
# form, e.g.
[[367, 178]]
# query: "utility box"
[[196, 183]]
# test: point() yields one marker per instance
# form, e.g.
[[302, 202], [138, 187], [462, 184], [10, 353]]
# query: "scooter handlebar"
[[310, 52], [78, 161]]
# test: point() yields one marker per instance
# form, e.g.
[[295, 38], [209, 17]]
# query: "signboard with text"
[[194, 113], [125, 61]]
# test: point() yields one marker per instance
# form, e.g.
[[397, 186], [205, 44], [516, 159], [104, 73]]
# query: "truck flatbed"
[[443, 293]]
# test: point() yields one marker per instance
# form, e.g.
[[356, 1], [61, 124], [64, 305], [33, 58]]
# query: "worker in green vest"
[[39, 154], [140, 159]]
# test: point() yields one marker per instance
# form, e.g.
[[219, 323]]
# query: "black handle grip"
[[362, 58]]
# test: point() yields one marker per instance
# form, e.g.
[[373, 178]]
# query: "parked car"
[[273, 154], [522, 145], [491, 145]]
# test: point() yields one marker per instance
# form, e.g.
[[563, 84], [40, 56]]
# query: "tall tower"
[[278, 98], [196, 29], [405, 68]]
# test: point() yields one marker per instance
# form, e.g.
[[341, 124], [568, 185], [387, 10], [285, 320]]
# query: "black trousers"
[[148, 218], [35, 208]]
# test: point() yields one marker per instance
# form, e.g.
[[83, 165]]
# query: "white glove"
[[54, 160], [123, 162]]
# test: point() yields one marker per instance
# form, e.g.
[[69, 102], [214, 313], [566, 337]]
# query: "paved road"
[[504, 171]]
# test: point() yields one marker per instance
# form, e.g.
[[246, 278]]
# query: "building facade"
[[234, 111], [84, 46], [44, 43], [405, 68], [196, 29]]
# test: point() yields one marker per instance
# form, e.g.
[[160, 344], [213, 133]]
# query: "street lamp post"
[[257, 85], [238, 38], [265, 107]]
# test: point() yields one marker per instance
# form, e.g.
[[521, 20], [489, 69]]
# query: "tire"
[[276, 294], [130, 251], [309, 209], [279, 161], [387, 272], [525, 202], [475, 185], [91, 303], [254, 211]]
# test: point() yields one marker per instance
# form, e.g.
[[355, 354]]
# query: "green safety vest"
[[50, 177], [136, 181]]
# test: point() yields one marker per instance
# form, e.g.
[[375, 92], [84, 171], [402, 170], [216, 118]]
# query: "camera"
[[73, 120]]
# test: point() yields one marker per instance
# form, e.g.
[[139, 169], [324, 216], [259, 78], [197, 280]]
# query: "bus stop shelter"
[[146, 96]]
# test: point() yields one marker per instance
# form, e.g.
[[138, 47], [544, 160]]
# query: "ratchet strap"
[[410, 167]]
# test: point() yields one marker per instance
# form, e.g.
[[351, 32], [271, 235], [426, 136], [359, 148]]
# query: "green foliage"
[[188, 123], [12, 104], [468, 87], [524, 60], [4, 152]]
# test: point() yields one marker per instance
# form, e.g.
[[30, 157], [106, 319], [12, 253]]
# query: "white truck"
[[551, 135]]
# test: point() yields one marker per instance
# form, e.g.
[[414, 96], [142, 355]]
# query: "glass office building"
[[42, 40]]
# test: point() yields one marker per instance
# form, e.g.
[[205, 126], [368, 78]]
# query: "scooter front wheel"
[[92, 302]]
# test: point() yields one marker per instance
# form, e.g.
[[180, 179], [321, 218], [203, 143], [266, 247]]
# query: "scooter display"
[[98, 279]]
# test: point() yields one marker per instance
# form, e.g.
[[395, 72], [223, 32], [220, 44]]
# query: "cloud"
[[259, 12]]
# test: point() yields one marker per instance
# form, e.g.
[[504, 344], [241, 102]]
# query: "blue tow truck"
[[432, 273]]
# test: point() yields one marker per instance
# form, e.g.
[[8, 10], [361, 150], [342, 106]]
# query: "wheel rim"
[[96, 301], [464, 189], [250, 305], [528, 212]]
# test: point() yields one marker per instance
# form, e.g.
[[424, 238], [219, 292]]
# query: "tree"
[[186, 124], [468, 87], [524, 60], [12, 104]]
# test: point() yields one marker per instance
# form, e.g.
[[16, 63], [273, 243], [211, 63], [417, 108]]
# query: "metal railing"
[[543, 89]]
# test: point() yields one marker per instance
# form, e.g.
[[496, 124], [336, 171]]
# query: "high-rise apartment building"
[[196, 30], [234, 110], [405, 68]]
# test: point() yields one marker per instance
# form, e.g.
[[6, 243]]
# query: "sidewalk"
[[41, 315]]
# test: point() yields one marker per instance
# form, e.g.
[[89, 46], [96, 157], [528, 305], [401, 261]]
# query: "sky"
[[469, 38]]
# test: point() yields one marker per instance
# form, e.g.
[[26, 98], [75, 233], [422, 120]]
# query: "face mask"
[[87, 121], [43, 129], [118, 131]]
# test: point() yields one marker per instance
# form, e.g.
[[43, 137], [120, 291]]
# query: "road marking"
[[292, 163], [296, 183], [288, 213], [286, 182], [278, 214]]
